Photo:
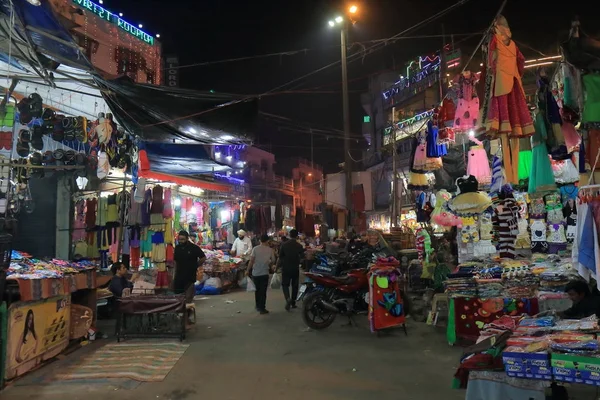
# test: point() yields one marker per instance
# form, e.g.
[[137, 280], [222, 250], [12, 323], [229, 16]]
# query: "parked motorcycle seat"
[[344, 279]]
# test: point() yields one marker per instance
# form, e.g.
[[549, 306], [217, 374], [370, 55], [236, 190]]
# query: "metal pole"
[[312, 150], [346, 110], [394, 219]]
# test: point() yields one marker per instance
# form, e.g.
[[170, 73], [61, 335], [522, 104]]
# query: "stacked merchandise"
[[554, 278], [462, 282], [23, 266], [489, 282], [546, 348], [519, 281], [220, 272]]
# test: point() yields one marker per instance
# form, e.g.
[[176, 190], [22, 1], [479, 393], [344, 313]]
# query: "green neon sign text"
[[115, 19]]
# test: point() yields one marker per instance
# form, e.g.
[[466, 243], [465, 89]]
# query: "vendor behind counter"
[[585, 303]]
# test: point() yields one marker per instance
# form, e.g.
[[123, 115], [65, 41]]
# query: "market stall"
[[482, 292], [520, 357], [40, 296]]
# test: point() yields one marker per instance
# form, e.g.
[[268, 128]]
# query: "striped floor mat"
[[140, 361]]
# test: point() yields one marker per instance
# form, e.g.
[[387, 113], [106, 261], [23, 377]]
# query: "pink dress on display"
[[467, 108]]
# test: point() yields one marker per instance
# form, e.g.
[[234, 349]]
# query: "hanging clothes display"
[[548, 109], [497, 176], [417, 179], [445, 121], [434, 150], [507, 114], [467, 108], [508, 111], [525, 160], [542, 177], [421, 161], [506, 223], [478, 165], [591, 107], [441, 198]]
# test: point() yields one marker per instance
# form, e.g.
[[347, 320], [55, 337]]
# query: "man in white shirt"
[[242, 246]]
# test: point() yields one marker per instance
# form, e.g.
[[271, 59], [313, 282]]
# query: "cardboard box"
[[527, 365], [576, 369]]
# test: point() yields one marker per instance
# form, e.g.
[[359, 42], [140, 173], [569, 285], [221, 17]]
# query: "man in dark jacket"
[[585, 304], [188, 258], [290, 254]]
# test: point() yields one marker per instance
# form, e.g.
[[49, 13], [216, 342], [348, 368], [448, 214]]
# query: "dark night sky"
[[210, 30]]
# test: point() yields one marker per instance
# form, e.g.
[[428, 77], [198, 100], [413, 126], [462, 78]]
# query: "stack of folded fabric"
[[488, 288], [555, 278], [461, 286], [586, 348], [519, 282]]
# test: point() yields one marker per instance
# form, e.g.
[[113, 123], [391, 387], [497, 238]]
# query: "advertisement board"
[[37, 331]]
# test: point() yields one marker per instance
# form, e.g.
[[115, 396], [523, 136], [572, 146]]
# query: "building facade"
[[114, 46], [308, 182], [396, 112]]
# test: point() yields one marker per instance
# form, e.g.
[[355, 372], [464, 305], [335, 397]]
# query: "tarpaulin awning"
[[37, 36], [181, 180], [151, 167], [173, 115], [178, 159]]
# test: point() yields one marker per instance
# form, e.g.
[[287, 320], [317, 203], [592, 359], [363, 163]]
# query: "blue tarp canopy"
[[177, 159], [37, 36]]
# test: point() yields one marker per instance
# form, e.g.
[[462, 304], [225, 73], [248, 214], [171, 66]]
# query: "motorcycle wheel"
[[314, 316]]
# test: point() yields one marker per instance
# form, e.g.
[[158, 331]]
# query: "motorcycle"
[[337, 265], [332, 295]]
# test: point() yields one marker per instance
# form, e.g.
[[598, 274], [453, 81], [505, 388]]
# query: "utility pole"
[[312, 150], [346, 110], [394, 219]]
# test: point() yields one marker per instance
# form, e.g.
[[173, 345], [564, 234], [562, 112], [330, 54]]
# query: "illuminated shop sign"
[[115, 19], [424, 70]]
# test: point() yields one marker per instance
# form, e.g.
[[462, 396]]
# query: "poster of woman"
[[37, 331], [28, 344]]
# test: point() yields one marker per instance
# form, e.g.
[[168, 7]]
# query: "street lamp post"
[[343, 23]]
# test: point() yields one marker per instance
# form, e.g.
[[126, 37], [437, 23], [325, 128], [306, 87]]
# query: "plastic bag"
[[276, 281], [214, 283], [250, 286], [243, 282]]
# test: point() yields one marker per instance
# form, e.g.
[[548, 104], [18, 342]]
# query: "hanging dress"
[[417, 178], [525, 158], [156, 210], [508, 116], [479, 166], [135, 212], [145, 206], [548, 108], [508, 112], [542, 177], [433, 148], [167, 207], [467, 109]]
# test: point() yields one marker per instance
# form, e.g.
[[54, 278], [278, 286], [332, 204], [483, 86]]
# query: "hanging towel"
[[586, 253]]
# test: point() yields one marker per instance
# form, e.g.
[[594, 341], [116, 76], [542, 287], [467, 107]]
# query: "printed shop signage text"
[[115, 19]]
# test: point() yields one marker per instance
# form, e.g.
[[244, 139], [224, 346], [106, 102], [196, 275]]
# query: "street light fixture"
[[343, 23]]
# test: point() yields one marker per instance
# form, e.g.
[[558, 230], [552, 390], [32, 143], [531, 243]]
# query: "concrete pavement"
[[236, 354]]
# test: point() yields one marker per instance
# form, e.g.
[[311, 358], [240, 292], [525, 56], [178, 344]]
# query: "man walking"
[[261, 260], [290, 254]]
